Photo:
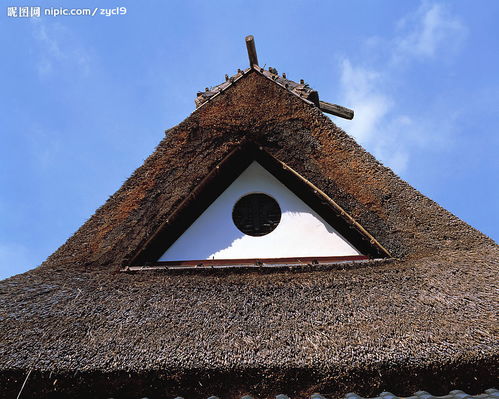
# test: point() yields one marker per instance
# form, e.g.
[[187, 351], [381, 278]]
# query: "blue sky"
[[84, 100]]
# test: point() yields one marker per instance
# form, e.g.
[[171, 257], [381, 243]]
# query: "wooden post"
[[250, 45], [336, 110]]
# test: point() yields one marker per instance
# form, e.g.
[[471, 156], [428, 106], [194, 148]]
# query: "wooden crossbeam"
[[336, 110]]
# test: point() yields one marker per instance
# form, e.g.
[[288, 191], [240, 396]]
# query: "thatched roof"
[[422, 320], [490, 393]]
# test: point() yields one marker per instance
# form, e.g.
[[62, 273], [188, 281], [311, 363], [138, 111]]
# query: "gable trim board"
[[222, 176], [302, 90], [259, 263]]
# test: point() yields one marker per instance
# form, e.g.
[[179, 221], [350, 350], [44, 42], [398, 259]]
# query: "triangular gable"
[[297, 231], [223, 175]]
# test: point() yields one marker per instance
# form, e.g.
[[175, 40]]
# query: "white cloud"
[[431, 31], [45, 146], [380, 124], [59, 49], [360, 87]]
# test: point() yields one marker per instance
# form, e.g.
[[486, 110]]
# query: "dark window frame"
[[256, 214]]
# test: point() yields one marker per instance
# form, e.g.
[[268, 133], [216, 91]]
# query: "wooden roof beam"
[[336, 110], [250, 45]]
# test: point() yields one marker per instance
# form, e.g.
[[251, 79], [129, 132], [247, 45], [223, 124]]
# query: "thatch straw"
[[426, 321]]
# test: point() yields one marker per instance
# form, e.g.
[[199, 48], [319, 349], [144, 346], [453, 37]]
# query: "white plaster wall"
[[301, 232]]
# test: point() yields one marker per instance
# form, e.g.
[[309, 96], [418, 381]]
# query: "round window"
[[256, 214]]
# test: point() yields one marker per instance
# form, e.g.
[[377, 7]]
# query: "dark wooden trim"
[[265, 262], [331, 212], [222, 176], [205, 193]]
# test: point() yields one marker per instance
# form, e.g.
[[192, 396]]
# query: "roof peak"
[[301, 89]]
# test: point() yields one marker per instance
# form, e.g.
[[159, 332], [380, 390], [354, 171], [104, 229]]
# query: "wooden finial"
[[250, 45]]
